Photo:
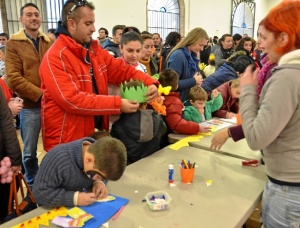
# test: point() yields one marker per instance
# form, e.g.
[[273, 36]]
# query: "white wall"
[[212, 15], [109, 13]]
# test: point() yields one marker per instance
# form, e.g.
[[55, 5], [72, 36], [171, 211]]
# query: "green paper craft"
[[134, 90], [155, 76]]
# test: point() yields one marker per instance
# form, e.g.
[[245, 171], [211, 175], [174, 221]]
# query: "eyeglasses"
[[91, 173], [78, 3]]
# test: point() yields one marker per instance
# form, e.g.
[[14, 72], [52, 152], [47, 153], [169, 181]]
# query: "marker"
[[186, 165], [118, 213], [86, 191]]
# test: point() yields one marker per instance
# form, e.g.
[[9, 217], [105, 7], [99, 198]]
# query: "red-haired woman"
[[273, 124]]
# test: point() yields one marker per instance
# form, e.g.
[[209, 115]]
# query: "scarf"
[[147, 65], [226, 53], [264, 73], [192, 59]]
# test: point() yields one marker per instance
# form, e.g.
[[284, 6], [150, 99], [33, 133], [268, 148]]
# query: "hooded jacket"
[[174, 118], [223, 74], [191, 113], [273, 123], [112, 47], [141, 133], [69, 103]]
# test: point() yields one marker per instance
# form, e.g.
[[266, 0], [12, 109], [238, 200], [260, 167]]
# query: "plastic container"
[[158, 204]]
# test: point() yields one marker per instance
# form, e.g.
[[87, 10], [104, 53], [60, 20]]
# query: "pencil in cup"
[[187, 171], [187, 165]]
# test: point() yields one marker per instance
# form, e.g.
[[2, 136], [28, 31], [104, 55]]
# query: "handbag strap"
[[13, 196], [29, 192], [12, 193]]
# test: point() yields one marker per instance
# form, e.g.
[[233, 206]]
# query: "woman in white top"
[[130, 47]]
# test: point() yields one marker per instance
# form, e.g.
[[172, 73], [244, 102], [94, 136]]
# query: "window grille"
[[163, 17], [243, 17], [49, 9]]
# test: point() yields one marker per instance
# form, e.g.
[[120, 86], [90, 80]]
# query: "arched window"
[[243, 15], [163, 17]]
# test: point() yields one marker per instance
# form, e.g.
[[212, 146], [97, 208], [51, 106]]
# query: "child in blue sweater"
[[76, 173]]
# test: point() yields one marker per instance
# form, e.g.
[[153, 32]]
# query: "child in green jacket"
[[200, 109]]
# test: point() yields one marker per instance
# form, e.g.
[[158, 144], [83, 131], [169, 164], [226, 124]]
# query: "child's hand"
[[100, 190], [201, 110], [85, 199], [215, 93], [203, 129], [229, 115]]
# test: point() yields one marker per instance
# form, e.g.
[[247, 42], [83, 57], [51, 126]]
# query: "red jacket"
[[6, 90], [174, 120], [229, 104], [69, 104]]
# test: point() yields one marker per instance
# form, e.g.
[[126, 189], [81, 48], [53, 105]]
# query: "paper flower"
[[202, 66]]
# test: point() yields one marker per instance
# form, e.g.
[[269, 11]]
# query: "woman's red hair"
[[285, 17]]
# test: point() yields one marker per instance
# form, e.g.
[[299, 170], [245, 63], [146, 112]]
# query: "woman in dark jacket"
[[171, 40]]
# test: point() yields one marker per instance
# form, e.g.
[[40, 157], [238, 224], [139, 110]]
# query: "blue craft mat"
[[103, 211]]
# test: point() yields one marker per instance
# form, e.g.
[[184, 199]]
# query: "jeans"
[[30, 125], [281, 206]]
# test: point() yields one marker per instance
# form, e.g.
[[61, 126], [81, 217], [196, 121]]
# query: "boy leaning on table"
[[76, 173]]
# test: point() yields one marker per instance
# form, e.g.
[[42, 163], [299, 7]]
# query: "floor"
[[40, 150], [40, 154]]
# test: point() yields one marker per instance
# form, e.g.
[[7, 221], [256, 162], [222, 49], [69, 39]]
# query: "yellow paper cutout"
[[32, 224], [185, 142], [192, 138], [50, 215], [76, 212], [21, 225], [42, 220], [208, 183], [60, 211]]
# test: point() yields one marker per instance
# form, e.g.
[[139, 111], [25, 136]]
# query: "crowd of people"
[[66, 85]]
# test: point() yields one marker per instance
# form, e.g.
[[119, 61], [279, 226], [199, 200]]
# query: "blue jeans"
[[281, 206], [30, 125]]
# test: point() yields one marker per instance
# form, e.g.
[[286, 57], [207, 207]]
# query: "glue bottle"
[[171, 172]]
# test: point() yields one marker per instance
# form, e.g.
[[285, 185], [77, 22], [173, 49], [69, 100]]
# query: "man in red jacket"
[[75, 74]]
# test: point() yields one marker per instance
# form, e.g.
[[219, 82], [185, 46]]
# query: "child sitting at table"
[[76, 173], [200, 109], [141, 131], [230, 92], [174, 107]]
